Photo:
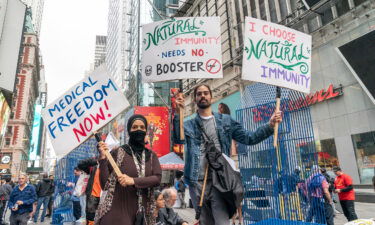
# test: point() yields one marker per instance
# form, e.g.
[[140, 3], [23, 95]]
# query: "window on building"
[[313, 24], [262, 7], [364, 147], [327, 153], [244, 6], [238, 20], [253, 9], [7, 141], [342, 7], [358, 2], [9, 130], [273, 11], [283, 9], [327, 16], [293, 4]]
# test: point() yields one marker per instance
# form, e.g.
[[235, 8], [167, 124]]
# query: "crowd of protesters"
[[101, 194]]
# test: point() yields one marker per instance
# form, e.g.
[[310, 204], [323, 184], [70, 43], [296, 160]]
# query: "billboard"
[[35, 134], [10, 44], [4, 115], [158, 131]]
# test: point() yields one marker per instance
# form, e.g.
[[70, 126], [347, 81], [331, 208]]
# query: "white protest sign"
[[83, 109], [180, 48], [276, 55]]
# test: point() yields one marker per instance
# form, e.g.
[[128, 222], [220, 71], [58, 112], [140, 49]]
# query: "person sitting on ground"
[[171, 217]]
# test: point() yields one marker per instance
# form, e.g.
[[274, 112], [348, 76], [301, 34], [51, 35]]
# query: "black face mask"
[[137, 137]]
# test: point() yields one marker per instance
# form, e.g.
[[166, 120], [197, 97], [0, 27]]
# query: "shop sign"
[[264, 112]]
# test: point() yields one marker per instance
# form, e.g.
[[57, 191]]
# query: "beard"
[[203, 104]]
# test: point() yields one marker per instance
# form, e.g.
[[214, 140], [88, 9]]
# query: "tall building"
[[116, 39], [18, 133], [12, 18], [100, 50], [344, 127], [37, 7]]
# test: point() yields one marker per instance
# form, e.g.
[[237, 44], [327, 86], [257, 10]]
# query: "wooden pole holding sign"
[[109, 157], [276, 128], [182, 115]]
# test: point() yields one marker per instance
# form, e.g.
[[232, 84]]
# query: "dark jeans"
[[316, 210], [41, 200], [19, 219], [328, 210], [348, 208], [3, 205], [50, 204], [77, 210]]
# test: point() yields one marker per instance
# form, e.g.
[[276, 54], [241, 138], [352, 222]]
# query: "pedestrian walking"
[[181, 188], [6, 190], [208, 127], [129, 197], [77, 209], [43, 191], [320, 200], [170, 216], [51, 197], [93, 188], [21, 201], [345, 190]]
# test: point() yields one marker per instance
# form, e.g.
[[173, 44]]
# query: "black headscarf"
[[136, 146], [134, 118]]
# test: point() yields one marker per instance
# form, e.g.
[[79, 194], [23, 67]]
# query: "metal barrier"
[[279, 182], [63, 208]]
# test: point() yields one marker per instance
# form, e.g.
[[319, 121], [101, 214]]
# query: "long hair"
[[225, 108]]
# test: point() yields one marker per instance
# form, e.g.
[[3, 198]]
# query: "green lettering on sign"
[[172, 28], [284, 54]]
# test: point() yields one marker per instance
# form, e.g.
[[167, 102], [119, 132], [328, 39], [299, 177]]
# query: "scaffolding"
[[277, 180]]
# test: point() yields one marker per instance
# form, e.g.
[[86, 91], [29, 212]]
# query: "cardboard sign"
[[276, 55], [83, 109], [180, 48]]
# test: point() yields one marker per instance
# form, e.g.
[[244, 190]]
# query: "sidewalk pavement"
[[363, 210]]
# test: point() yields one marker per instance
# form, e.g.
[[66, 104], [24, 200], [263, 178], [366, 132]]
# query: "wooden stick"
[[109, 157], [182, 116], [276, 128], [204, 186], [199, 210]]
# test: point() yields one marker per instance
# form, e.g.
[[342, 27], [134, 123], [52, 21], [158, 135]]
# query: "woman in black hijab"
[[132, 192]]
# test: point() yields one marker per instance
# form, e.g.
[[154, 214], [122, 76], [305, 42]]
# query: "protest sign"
[[276, 55], [83, 109], [180, 48]]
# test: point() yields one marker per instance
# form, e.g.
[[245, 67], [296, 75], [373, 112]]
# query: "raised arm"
[[251, 138]]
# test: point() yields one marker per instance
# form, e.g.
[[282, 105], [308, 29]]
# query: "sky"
[[67, 41]]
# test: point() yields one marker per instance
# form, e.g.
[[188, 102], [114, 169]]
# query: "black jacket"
[[45, 187], [89, 167], [169, 217]]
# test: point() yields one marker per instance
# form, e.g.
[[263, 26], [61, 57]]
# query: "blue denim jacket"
[[227, 129]]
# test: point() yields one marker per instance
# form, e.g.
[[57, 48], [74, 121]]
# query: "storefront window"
[[364, 147], [327, 153]]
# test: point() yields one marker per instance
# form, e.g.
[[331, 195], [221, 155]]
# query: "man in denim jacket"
[[220, 129]]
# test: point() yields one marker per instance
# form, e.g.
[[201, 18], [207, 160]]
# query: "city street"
[[364, 211]]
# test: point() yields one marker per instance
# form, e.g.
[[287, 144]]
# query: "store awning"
[[171, 161]]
